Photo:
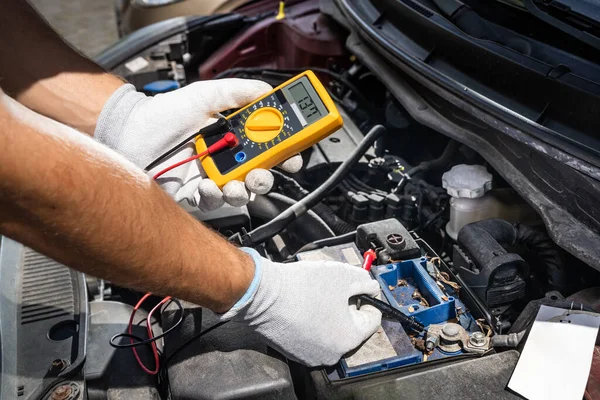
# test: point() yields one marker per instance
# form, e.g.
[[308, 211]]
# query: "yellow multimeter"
[[292, 117]]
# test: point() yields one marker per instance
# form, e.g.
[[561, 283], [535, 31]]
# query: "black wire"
[[353, 187], [365, 186], [332, 241], [220, 126], [346, 189], [143, 342], [169, 152], [279, 223], [447, 154], [190, 340], [434, 217]]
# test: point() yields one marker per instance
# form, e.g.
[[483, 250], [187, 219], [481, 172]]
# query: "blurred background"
[[89, 25]]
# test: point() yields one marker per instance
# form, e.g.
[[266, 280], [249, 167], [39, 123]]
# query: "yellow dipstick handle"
[[281, 13]]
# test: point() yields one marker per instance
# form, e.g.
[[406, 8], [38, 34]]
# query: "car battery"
[[423, 288]]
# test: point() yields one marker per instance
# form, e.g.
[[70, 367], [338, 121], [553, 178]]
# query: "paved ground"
[[89, 25]]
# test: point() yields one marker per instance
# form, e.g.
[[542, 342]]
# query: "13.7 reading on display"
[[305, 103]]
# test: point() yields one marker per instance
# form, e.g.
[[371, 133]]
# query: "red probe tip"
[[369, 258]]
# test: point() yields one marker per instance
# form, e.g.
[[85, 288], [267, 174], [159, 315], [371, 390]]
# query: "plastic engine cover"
[[229, 363]]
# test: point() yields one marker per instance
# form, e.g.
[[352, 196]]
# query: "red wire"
[[130, 329], [150, 333], [187, 160]]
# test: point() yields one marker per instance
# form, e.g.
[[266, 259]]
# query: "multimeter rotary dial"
[[264, 124]]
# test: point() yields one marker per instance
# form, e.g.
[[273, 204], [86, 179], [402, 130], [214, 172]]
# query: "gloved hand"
[[143, 128], [302, 308]]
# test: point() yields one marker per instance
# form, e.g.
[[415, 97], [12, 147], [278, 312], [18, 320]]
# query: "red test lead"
[[227, 141]]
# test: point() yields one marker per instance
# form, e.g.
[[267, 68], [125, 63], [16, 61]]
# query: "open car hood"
[[535, 122]]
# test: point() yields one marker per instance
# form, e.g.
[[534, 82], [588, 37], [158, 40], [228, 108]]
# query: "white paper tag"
[[556, 360], [137, 64]]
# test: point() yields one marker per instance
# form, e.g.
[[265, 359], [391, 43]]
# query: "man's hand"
[[303, 309], [87, 207], [142, 128]]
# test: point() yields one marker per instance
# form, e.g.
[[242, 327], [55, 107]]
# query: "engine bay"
[[455, 247]]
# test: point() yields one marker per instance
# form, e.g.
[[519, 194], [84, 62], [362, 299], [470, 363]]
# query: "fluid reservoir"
[[472, 199]]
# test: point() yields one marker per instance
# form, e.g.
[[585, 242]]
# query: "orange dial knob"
[[264, 124]]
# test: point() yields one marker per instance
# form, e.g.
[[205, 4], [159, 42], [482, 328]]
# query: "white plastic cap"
[[467, 181]]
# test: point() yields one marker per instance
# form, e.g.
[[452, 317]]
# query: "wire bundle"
[[135, 341], [160, 362]]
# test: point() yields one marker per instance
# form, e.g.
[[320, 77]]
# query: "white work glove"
[[142, 128], [302, 309]]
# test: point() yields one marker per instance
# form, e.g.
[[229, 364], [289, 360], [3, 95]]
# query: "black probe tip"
[[405, 320]]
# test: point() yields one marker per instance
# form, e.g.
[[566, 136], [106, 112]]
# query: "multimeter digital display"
[[289, 119], [308, 109]]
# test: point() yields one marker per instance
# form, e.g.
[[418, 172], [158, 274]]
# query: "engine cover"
[[228, 363]]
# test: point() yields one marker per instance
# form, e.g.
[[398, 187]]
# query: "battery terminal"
[[418, 296]]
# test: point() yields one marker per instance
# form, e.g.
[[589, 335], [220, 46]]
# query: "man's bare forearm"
[[67, 196], [41, 71]]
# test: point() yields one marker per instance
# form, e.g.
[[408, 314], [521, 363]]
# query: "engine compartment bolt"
[[58, 365], [431, 342], [477, 339], [62, 392]]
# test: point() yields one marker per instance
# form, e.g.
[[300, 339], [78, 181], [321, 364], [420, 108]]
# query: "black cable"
[[288, 201], [220, 126], [448, 152], [352, 187], [144, 342], [190, 340], [290, 187], [405, 320], [139, 339], [544, 248], [433, 218], [276, 225], [365, 186], [332, 241]]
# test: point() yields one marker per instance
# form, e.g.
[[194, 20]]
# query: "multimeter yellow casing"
[[292, 117]]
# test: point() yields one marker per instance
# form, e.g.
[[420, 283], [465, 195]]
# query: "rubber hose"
[[442, 160], [308, 226], [349, 237], [294, 190], [289, 202], [474, 236], [485, 240], [545, 248], [511, 340]]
